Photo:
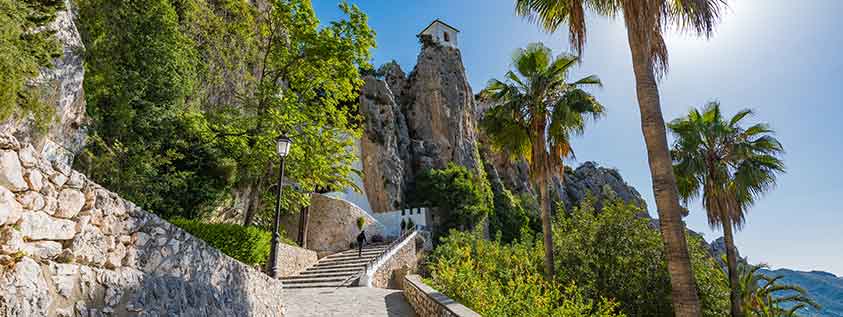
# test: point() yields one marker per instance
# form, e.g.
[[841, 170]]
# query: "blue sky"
[[781, 59]]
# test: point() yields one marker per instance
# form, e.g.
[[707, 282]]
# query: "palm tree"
[[536, 111], [645, 20], [764, 296], [731, 165]]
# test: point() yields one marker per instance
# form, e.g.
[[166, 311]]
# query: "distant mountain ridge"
[[824, 287]]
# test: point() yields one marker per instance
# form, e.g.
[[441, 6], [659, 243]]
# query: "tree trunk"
[[255, 197], [684, 290], [547, 229], [732, 263], [304, 220]]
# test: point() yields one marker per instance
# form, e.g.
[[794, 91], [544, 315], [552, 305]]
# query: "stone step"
[[321, 274], [311, 271], [351, 256], [339, 266], [310, 280], [314, 285], [355, 259], [354, 252]]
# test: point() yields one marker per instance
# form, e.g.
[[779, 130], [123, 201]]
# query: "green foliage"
[[22, 53], [730, 165], [513, 216], [506, 280], [188, 96], [465, 197], [613, 256], [249, 245], [765, 295], [618, 255]]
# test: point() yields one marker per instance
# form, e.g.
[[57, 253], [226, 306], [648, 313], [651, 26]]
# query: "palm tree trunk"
[[684, 289], [547, 229], [732, 263]]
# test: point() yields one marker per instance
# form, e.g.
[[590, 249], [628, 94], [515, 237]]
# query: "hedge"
[[249, 245]]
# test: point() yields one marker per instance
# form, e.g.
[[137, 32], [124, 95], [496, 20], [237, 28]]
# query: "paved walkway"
[[346, 301]]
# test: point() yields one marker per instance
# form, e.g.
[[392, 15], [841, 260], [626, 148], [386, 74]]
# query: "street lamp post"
[[282, 146]]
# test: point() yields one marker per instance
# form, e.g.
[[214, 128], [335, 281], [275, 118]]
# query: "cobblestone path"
[[346, 301]]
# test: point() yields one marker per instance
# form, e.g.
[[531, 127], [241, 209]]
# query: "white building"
[[442, 33]]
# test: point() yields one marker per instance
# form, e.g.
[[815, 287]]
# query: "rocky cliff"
[[416, 122], [429, 118], [61, 87]]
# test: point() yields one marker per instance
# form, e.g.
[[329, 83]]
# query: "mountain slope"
[[824, 287]]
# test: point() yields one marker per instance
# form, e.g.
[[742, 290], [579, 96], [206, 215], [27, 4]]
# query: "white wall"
[[391, 220], [360, 199], [437, 31]]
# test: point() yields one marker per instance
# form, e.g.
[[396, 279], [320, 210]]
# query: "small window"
[[447, 38]]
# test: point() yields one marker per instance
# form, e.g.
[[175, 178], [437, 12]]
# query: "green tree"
[[618, 255], [537, 111], [22, 52], [730, 165], [645, 21], [188, 96], [765, 296], [466, 197], [497, 279]]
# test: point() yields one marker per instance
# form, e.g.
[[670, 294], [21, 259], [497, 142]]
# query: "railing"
[[371, 265]]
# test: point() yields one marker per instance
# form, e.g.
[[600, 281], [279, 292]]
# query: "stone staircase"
[[336, 270]]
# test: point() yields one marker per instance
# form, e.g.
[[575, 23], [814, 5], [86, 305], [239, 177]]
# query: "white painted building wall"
[[443, 34]]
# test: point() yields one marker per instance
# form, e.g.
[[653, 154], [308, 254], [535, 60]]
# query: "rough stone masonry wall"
[[68, 247], [391, 273], [428, 302], [294, 259]]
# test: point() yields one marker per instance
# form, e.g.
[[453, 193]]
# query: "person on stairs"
[[361, 239]]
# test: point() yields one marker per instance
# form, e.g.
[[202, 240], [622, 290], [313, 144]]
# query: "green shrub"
[[465, 197], [497, 279], [615, 260], [618, 255], [249, 245], [361, 222]]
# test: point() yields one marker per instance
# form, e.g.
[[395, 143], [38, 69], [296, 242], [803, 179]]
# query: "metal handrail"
[[391, 246]]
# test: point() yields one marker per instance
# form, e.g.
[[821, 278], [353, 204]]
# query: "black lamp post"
[[282, 146]]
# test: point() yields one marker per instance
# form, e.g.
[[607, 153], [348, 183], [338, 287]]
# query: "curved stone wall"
[[69, 247]]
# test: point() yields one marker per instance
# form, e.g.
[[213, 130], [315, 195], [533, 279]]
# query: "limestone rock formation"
[[414, 123], [440, 111], [62, 88], [382, 154]]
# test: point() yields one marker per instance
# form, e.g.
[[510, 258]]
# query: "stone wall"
[[395, 265], [68, 247], [332, 226], [428, 302], [294, 259]]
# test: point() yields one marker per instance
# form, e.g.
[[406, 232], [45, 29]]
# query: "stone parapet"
[[428, 302]]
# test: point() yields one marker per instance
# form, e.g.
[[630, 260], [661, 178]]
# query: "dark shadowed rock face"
[[415, 123], [383, 146]]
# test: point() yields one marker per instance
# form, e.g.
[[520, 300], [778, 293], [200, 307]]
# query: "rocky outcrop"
[[383, 146], [69, 247], [601, 182], [440, 111], [414, 123], [61, 87]]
